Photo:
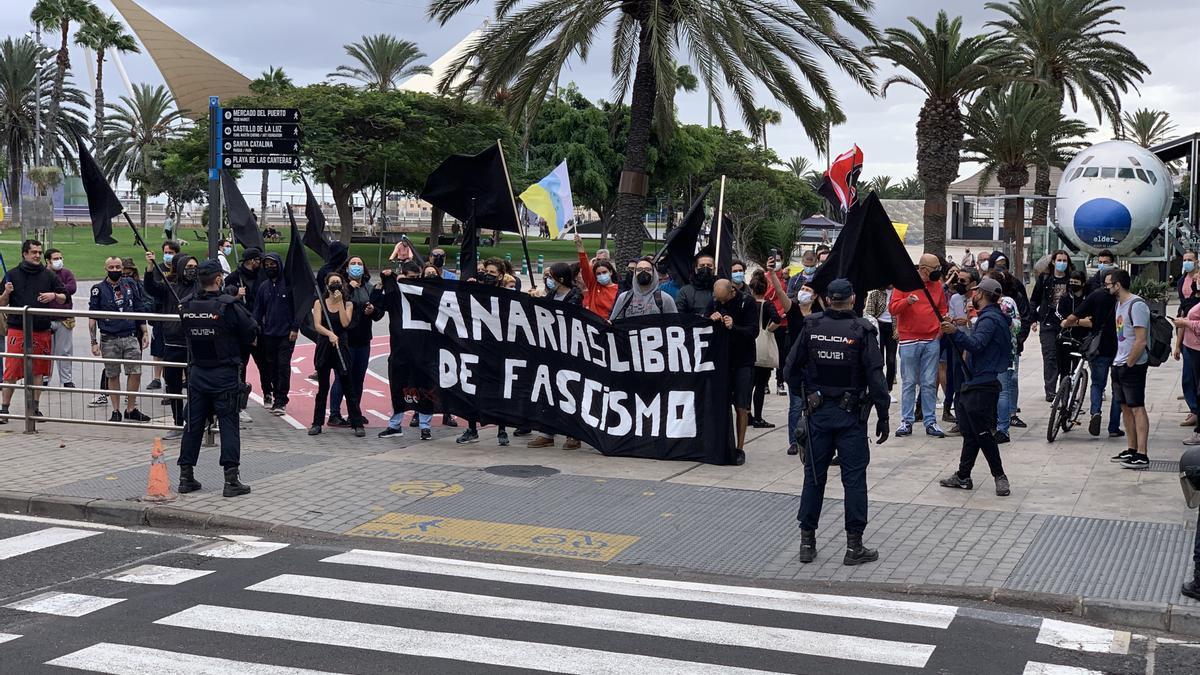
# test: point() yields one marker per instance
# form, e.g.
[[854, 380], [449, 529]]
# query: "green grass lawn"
[[86, 259]]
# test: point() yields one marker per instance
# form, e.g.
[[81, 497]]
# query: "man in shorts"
[[28, 284], [119, 339], [1129, 369]]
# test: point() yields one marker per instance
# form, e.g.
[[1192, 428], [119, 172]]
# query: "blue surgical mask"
[[604, 279], [810, 270], [1189, 265], [1060, 266], [227, 250], [168, 257], [1104, 267], [738, 277], [550, 284], [356, 271]]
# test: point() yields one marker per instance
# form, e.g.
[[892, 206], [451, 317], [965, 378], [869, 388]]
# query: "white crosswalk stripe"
[[6, 637], [63, 604], [157, 575], [435, 644], [679, 628], [1038, 668], [107, 657], [239, 549], [1079, 637], [21, 544], [870, 609]]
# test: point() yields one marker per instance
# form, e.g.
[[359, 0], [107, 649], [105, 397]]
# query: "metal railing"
[[29, 384]]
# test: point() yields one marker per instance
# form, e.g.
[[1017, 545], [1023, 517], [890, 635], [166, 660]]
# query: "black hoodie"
[[273, 302], [165, 300]]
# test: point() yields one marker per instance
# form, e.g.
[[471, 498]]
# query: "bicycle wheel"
[[1058, 409], [1077, 396]]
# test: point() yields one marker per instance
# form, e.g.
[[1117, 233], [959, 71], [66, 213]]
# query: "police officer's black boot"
[[233, 486], [1192, 588], [187, 480], [808, 545], [856, 553]]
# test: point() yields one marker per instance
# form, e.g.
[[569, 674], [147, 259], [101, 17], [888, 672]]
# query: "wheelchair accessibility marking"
[[492, 536], [425, 488]]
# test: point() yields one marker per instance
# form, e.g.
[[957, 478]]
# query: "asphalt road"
[[115, 601]]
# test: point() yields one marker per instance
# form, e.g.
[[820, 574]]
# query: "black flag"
[[298, 275], [868, 253], [725, 260], [463, 178], [102, 203], [241, 221], [679, 247], [468, 255], [314, 231]]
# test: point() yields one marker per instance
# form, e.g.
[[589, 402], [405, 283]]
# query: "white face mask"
[[56, 264], [805, 297], [983, 265]]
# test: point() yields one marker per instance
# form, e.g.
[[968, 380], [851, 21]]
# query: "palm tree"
[[137, 125], [273, 82], [765, 118], [757, 41], [20, 99], [949, 69], [382, 62], [1067, 45], [100, 33], [57, 16], [1009, 131], [882, 185], [1147, 127], [685, 79], [911, 188], [799, 166]]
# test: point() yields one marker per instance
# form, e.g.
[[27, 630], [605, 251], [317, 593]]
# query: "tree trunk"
[[1041, 187], [64, 62], [262, 204], [630, 211], [436, 218], [142, 199], [1014, 226], [935, 223], [98, 137], [14, 184], [345, 209]]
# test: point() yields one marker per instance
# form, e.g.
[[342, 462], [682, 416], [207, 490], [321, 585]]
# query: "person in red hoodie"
[[601, 287], [919, 328]]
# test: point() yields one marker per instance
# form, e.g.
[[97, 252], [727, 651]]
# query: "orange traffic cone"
[[158, 487]]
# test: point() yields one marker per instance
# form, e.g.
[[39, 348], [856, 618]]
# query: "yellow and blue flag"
[[550, 198]]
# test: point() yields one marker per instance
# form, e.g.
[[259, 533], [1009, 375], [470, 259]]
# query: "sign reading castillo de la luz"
[[653, 387]]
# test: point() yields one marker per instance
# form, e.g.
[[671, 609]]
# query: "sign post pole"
[[214, 175]]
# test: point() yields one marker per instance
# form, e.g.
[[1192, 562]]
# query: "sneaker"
[[905, 429], [953, 481], [954, 431], [1194, 439], [1122, 456], [793, 449], [426, 434], [336, 420], [314, 430], [1049, 398], [1094, 425], [1116, 434], [359, 432], [136, 415], [1136, 462], [1017, 422], [115, 417], [154, 384], [449, 421], [100, 401], [934, 430], [391, 431], [502, 438], [278, 410], [541, 442], [68, 385], [173, 434], [1189, 421], [892, 397], [572, 444], [468, 436], [948, 416], [740, 458], [266, 400], [1002, 487], [1001, 437], [4, 411], [244, 417]]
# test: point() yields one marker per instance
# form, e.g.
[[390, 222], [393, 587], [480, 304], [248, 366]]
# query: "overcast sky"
[[306, 38]]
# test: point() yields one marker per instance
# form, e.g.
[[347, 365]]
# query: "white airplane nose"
[[1102, 221]]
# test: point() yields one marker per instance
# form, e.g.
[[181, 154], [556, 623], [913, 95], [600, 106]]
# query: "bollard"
[[541, 263], [524, 267], [508, 257]]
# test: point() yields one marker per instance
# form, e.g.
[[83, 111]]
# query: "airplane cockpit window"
[[1091, 172], [1077, 173], [1124, 172], [1142, 176], [1153, 178], [1088, 159], [1135, 162], [1108, 172]]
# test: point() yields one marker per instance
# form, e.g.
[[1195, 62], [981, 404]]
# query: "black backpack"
[[1160, 336]]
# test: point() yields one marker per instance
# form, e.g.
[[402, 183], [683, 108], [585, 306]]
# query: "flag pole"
[[720, 218], [517, 215], [321, 300]]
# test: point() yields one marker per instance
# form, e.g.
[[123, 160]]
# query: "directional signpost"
[[260, 138]]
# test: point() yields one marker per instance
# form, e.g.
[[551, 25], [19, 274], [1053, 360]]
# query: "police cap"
[[209, 267], [839, 290]]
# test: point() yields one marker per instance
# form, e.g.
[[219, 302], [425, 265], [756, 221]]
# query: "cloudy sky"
[[306, 38]]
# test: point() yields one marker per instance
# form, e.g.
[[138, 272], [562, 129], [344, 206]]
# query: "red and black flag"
[[102, 202], [839, 185], [241, 221], [868, 253]]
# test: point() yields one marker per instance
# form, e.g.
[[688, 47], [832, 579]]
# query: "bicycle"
[[1068, 400]]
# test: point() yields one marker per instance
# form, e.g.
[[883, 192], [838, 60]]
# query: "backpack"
[[625, 308], [1160, 337]]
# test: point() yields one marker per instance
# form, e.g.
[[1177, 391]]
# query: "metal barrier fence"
[[30, 387]]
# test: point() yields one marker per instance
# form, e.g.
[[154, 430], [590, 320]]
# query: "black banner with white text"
[[654, 387]]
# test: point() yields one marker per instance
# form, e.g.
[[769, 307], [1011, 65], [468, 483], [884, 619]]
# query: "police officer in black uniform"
[[836, 362], [218, 331]]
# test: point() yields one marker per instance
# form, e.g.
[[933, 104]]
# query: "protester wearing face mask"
[[1068, 304], [279, 327], [1006, 406], [61, 329], [962, 312], [599, 282], [877, 306], [119, 339], [438, 258], [982, 262], [645, 297], [737, 274], [332, 314], [1049, 289], [1188, 288], [919, 327], [493, 273], [243, 284], [808, 269], [180, 282], [737, 313], [170, 249], [695, 297], [358, 339], [1097, 313], [224, 250], [1105, 263], [999, 261]]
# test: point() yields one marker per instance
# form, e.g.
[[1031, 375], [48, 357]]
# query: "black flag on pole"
[[298, 276], [679, 247], [241, 221], [468, 254], [725, 260], [314, 231], [868, 253], [463, 178], [103, 204]]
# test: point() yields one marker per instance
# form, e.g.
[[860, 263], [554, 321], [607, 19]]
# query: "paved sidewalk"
[[1076, 524]]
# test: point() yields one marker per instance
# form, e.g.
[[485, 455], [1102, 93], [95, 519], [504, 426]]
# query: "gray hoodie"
[[643, 300]]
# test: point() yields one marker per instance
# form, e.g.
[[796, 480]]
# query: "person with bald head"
[[918, 325], [737, 312]]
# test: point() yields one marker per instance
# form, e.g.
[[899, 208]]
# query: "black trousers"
[[977, 422], [352, 397], [276, 367], [1049, 339], [266, 380], [212, 391], [835, 429], [784, 341], [762, 376], [173, 380], [887, 342]]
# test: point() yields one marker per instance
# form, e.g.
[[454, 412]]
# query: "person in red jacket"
[[919, 328], [598, 279]]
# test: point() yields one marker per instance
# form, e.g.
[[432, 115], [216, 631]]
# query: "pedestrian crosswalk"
[[22, 544]]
